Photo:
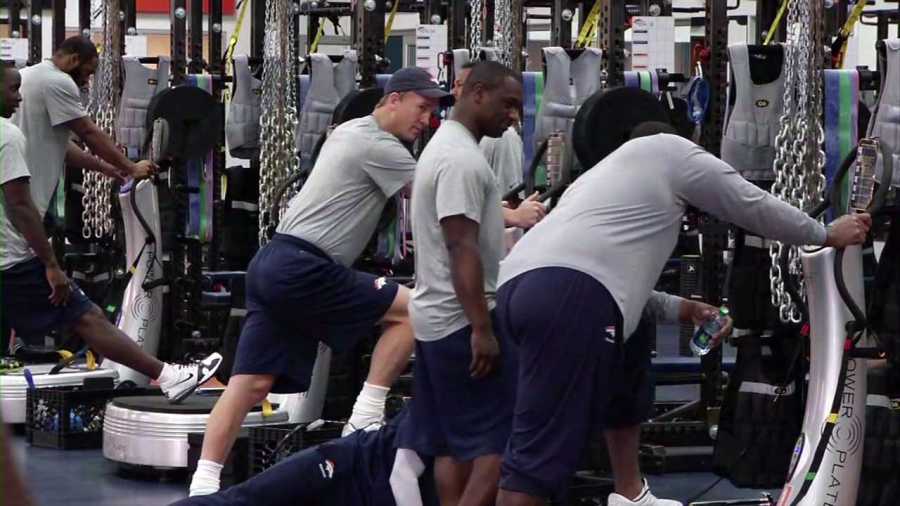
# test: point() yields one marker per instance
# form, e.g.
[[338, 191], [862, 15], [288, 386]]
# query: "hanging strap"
[[589, 28], [776, 22], [390, 22], [841, 132]]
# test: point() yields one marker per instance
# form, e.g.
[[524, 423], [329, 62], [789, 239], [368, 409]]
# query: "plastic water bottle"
[[701, 343]]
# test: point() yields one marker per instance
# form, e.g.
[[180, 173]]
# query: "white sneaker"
[[190, 376], [645, 498]]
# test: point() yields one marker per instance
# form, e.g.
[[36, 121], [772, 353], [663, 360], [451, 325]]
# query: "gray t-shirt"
[[359, 168], [50, 98], [619, 222], [505, 155], [13, 247], [452, 179]]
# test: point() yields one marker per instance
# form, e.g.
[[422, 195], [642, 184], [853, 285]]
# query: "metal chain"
[[476, 12], [97, 199], [799, 158], [278, 117], [503, 31], [292, 117]]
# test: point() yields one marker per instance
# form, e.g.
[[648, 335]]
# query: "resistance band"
[[534, 92], [841, 132], [200, 176], [233, 40], [390, 22]]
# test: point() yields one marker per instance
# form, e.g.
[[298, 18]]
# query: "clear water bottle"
[[701, 343]]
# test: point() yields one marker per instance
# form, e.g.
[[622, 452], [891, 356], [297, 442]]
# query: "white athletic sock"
[[206, 478], [369, 407], [167, 374]]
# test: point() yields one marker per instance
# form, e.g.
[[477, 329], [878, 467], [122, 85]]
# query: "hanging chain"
[[279, 109], [503, 31], [103, 107], [799, 158], [292, 116], [476, 11]]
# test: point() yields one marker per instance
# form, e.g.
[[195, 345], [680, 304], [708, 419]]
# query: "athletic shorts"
[[296, 297], [453, 414], [25, 305], [575, 375]]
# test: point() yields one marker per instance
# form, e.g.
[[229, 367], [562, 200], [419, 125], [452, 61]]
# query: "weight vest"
[[749, 140], [242, 124], [329, 83], [460, 58], [141, 83], [567, 84], [886, 121]]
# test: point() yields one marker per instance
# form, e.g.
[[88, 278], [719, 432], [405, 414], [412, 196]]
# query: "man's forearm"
[[467, 275], [27, 220], [102, 146], [81, 159]]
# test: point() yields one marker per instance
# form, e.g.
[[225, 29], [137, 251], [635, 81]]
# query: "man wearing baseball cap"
[[300, 286]]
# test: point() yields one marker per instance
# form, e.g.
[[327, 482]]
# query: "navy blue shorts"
[[296, 297], [24, 303], [572, 370], [452, 413]]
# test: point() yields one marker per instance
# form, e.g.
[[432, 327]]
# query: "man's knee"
[[398, 313], [91, 319], [252, 387]]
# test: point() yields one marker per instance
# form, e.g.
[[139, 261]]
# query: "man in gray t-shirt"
[[575, 286], [464, 378], [300, 287], [505, 155]]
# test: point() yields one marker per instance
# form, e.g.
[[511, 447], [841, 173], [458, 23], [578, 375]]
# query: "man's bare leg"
[[450, 477], [510, 498], [389, 359], [112, 343], [623, 445], [481, 487], [242, 393]]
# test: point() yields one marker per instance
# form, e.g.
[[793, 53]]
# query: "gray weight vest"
[[242, 124], [329, 83], [460, 58], [885, 123], [567, 84], [748, 143], [141, 84]]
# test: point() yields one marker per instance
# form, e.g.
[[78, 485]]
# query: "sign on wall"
[[431, 41], [14, 49], [164, 6]]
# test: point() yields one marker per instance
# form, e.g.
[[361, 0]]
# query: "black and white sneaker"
[[190, 376]]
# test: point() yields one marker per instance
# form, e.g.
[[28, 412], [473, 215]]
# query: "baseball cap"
[[417, 80]]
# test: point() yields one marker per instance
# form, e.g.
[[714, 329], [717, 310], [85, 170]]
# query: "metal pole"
[[487, 22], [456, 25], [196, 37], [59, 23], [516, 18], [312, 28], [717, 41], [35, 41], [15, 22], [214, 31], [84, 16], [560, 29], [257, 27], [130, 8], [612, 38], [369, 41], [178, 41]]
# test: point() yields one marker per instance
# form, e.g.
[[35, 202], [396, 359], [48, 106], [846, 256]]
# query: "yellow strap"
[[315, 44], [390, 21], [832, 418], [267, 410], [233, 40], [91, 360], [776, 23], [65, 355], [589, 28], [847, 29]]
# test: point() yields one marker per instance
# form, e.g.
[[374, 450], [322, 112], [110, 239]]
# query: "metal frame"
[[368, 39], [84, 15], [196, 64], [178, 42], [457, 34], [612, 39], [715, 72], [15, 19], [59, 23], [35, 37]]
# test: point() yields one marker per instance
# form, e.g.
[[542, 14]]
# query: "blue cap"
[[417, 80]]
